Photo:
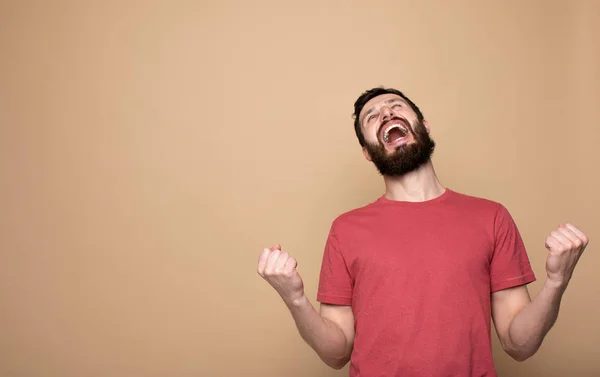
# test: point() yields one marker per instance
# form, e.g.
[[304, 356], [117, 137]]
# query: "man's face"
[[396, 141]]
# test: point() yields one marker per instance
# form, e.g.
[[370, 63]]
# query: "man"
[[410, 282]]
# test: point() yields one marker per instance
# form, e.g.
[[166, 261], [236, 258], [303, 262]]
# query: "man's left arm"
[[522, 324]]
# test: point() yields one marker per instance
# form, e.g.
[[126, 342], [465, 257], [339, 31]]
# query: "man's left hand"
[[566, 245]]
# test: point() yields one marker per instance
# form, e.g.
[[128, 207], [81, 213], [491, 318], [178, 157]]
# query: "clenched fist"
[[279, 270], [566, 244]]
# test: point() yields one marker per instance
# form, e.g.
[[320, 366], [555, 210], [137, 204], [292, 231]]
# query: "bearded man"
[[410, 283]]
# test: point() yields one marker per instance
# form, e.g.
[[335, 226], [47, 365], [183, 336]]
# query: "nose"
[[386, 113]]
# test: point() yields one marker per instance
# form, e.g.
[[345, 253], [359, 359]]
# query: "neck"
[[419, 185]]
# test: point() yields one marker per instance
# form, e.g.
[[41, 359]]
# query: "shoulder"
[[356, 216], [476, 202], [490, 211]]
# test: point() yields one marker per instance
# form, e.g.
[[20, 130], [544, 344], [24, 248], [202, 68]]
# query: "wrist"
[[556, 285], [296, 302]]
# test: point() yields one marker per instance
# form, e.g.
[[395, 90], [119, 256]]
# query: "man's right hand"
[[279, 270], [330, 331]]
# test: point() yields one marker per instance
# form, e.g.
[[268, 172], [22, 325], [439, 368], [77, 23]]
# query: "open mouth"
[[394, 131]]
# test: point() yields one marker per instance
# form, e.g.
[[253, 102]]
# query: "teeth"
[[387, 131]]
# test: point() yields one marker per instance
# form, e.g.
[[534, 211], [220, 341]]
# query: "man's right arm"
[[329, 332]]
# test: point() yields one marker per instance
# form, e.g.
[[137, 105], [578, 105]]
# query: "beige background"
[[150, 150]]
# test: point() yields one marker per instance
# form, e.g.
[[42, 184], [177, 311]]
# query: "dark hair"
[[370, 94]]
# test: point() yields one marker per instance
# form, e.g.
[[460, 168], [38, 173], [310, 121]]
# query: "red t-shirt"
[[419, 276]]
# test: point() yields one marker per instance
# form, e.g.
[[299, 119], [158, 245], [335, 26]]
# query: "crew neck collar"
[[440, 198]]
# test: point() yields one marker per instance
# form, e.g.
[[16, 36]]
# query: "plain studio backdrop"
[[150, 150]]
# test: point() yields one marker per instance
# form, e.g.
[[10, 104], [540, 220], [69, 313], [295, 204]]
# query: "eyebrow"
[[386, 102]]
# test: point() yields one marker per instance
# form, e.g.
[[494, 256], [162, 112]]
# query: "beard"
[[405, 158]]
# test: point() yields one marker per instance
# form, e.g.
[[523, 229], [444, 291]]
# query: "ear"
[[426, 124], [366, 154]]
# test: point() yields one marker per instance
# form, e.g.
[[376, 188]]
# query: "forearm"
[[324, 336], [533, 322]]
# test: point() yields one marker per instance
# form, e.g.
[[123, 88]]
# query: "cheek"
[[373, 135], [370, 132], [407, 114]]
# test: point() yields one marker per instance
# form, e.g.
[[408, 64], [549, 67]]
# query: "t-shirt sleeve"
[[335, 281], [510, 264]]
